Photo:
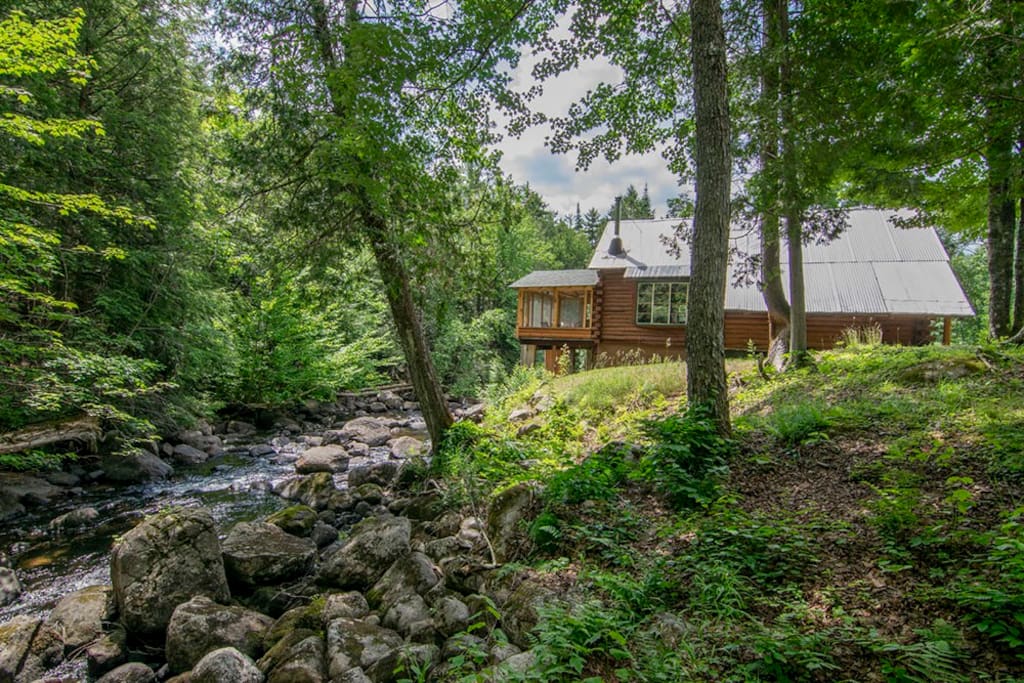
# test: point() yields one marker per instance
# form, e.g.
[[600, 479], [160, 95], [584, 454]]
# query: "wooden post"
[[947, 330]]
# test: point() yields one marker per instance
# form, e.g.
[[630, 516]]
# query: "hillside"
[[865, 524]]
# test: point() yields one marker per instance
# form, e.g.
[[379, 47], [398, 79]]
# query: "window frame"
[[673, 303]]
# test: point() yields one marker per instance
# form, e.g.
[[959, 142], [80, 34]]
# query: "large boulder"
[[350, 605], [183, 454], [403, 663], [10, 587], [412, 573], [107, 652], [406, 447], [28, 647], [519, 614], [258, 553], [405, 613], [75, 519], [505, 520], [380, 473], [316, 490], [200, 626], [297, 520], [133, 672], [297, 658], [352, 644], [79, 617], [322, 459], [170, 558], [136, 467], [226, 664], [24, 489], [375, 544], [368, 430]]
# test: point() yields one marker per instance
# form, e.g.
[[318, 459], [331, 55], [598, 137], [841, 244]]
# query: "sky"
[[554, 177]]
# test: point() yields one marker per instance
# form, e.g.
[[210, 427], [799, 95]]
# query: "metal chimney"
[[615, 246]]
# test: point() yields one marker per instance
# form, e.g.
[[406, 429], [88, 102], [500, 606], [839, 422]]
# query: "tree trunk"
[[771, 267], [410, 330], [705, 309], [1001, 229], [798, 356], [1018, 274]]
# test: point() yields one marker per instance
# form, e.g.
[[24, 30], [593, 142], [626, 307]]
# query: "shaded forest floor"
[[866, 525]]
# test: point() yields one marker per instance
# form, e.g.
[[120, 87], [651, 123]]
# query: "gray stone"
[[78, 618], [74, 519], [443, 548], [136, 467], [356, 675], [257, 553], [200, 626], [505, 518], [169, 558], [350, 605], [404, 612], [368, 430], [520, 414], [403, 662], [370, 493], [374, 546], [184, 454], [28, 490], [297, 520], [133, 672], [411, 573], [451, 615], [335, 436], [352, 643], [358, 449], [501, 651], [226, 665], [316, 490], [323, 534], [240, 427], [322, 459], [515, 667], [377, 407], [297, 658], [9, 505], [10, 587], [108, 651], [28, 647], [263, 450], [406, 447], [379, 473], [519, 613]]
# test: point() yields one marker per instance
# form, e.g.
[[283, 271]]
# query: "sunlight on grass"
[[604, 388]]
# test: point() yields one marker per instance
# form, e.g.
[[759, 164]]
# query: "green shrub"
[[799, 424], [687, 458], [596, 478]]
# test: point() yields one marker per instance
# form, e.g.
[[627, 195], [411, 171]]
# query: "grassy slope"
[[865, 528]]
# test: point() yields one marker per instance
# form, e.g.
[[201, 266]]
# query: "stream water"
[[234, 487]]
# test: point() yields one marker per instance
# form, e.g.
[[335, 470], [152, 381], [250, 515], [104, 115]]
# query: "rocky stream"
[[309, 550]]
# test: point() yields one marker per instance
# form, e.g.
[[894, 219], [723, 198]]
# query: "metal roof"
[[557, 278], [874, 267]]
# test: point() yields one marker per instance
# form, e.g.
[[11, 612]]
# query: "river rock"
[[28, 490], [316, 490], [379, 473], [505, 516], [519, 613], [451, 615], [323, 534], [297, 520], [404, 612], [298, 658], [308, 617], [76, 518], [135, 467], [183, 454], [9, 505], [133, 672], [200, 626], [10, 587], [322, 459], [410, 574], [168, 559], [263, 450], [257, 553], [226, 665], [108, 652], [352, 643], [79, 617], [350, 605], [357, 449], [368, 430], [374, 546], [28, 647], [516, 667], [406, 447]]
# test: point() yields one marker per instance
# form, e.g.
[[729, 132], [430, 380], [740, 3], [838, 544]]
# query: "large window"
[[661, 303], [538, 309], [557, 308]]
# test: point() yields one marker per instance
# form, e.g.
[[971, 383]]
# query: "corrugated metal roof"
[[557, 278], [658, 273], [873, 267]]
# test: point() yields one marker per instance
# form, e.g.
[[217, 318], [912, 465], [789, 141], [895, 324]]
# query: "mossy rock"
[[940, 370], [297, 520]]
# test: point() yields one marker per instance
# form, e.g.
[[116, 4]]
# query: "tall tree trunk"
[[705, 309], [1018, 273], [798, 356], [410, 330], [771, 267], [1001, 228], [392, 270]]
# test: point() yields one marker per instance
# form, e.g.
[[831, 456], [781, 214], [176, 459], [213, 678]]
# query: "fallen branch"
[[82, 429]]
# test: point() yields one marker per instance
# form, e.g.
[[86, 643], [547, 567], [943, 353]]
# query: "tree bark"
[[798, 356], [705, 309], [1018, 274], [410, 330], [1001, 228], [771, 266]]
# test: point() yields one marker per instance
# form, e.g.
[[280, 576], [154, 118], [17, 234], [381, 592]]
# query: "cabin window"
[[661, 303], [572, 310], [538, 309]]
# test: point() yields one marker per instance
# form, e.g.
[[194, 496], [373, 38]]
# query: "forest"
[[218, 215]]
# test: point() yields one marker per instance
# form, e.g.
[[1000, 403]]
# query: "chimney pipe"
[[615, 247]]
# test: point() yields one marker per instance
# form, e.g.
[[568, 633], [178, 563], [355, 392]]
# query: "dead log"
[[83, 429]]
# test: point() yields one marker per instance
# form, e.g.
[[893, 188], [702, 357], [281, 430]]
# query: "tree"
[[633, 205], [705, 308]]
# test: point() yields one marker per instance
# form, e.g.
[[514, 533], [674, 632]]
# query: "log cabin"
[[630, 302]]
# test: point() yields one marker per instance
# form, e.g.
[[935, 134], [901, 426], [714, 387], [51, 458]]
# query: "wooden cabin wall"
[[615, 298]]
